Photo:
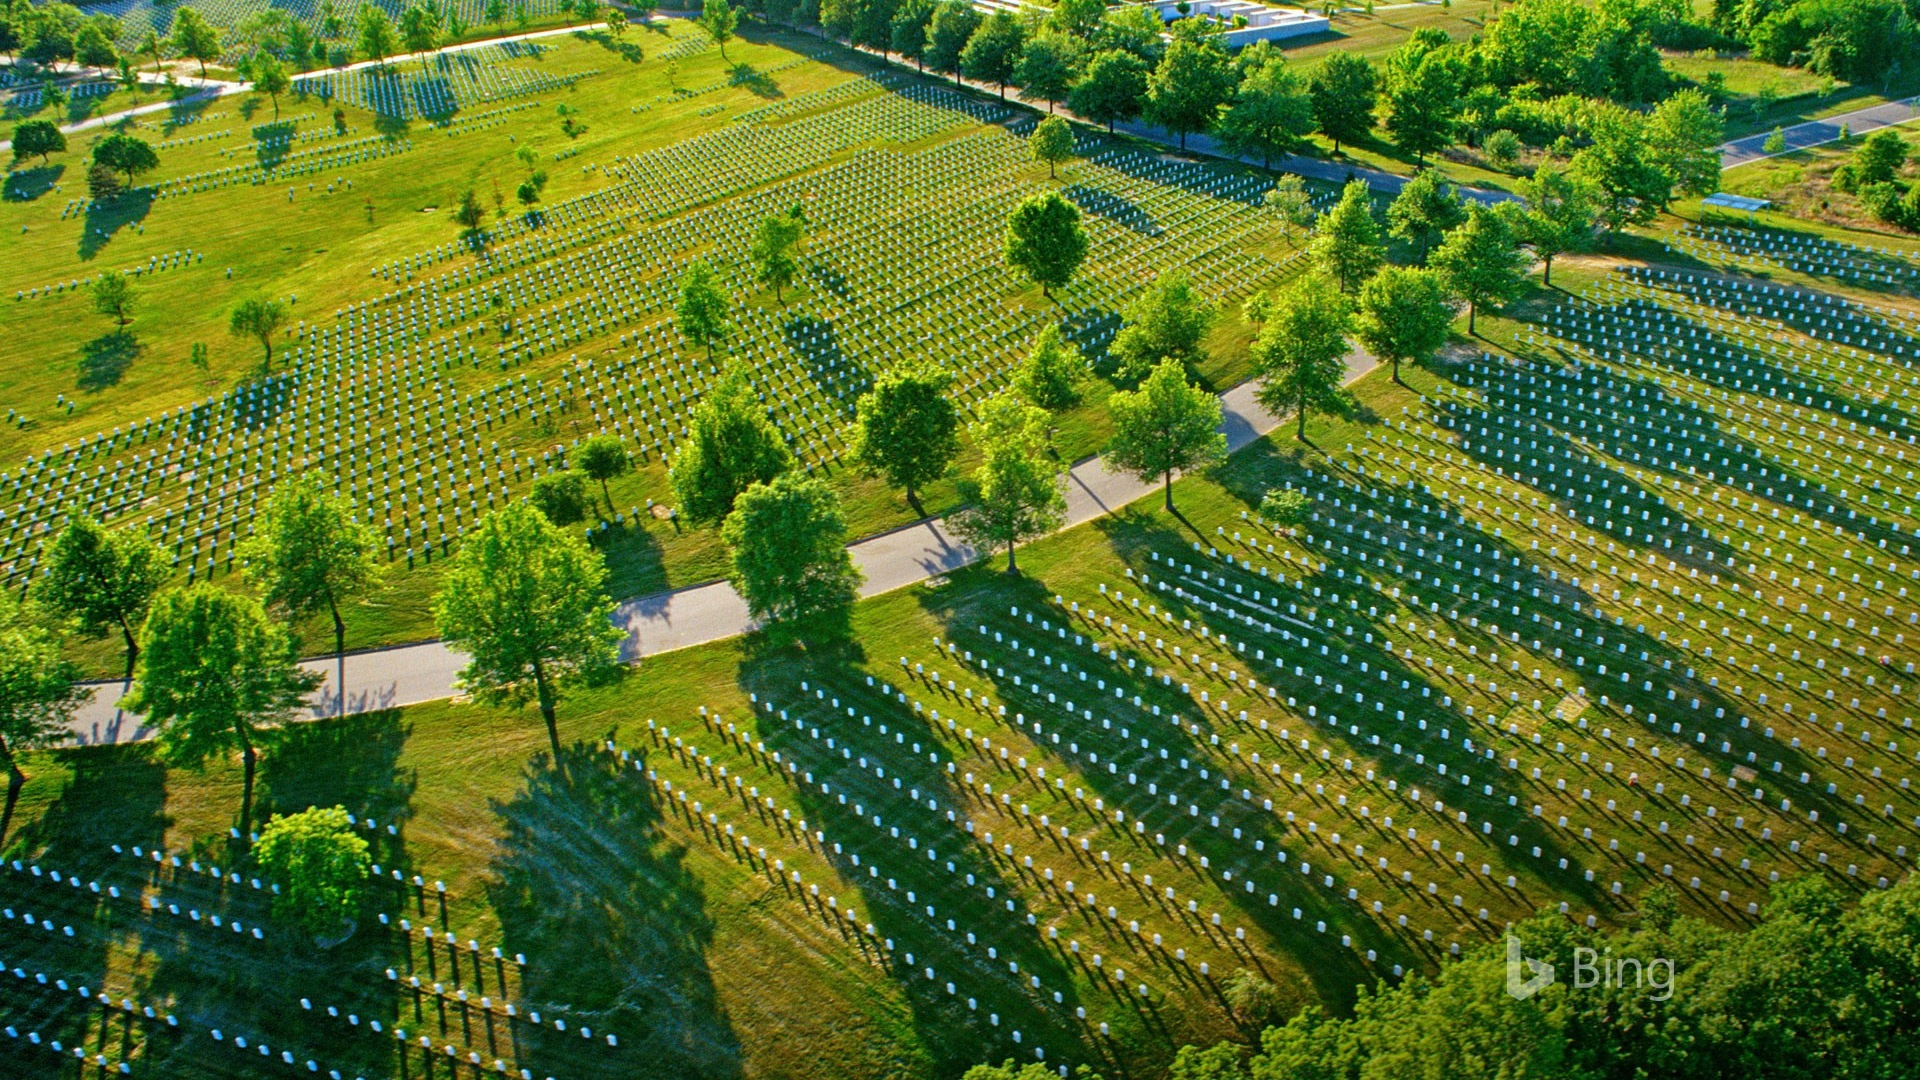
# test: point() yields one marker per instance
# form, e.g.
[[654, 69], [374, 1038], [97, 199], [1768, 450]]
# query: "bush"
[[1503, 148], [1882, 200], [320, 866], [1284, 506], [562, 497]]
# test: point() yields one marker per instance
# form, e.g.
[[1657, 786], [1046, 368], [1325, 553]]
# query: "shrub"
[[320, 866]]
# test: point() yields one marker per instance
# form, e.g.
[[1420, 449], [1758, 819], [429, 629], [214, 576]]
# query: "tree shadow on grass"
[[105, 360], [629, 51], [106, 217], [27, 185], [613, 926], [754, 81]]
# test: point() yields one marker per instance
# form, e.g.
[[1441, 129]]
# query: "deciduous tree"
[[789, 556], [1166, 426], [1404, 315], [259, 318], [126, 155], [1300, 356], [1482, 261], [1345, 90], [1188, 86], [1346, 242], [994, 50], [603, 458], [1050, 375], [193, 38], [1017, 492], [560, 496], [37, 137], [1426, 209], [1560, 215], [701, 315], [39, 692], [1045, 240], [1052, 142], [112, 293], [907, 430], [103, 580], [320, 865], [1168, 321], [730, 447], [1270, 115], [1113, 88]]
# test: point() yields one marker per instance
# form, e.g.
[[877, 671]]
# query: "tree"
[[526, 600], [1048, 65], [603, 458], [103, 579], [1426, 208], [952, 27], [419, 29], [1271, 113], [112, 294], [561, 497], [270, 78], [906, 430], [1169, 321], [1633, 189], [616, 22], [1423, 92], [994, 49], [1050, 375], [1188, 86], [1291, 204], [1404, 315], [1081, 18], [718, 19], [702, 312], [1345, 90], [730, 447], [1167, 426], [377, 37], [320, 865], [1301, 353], [193, 38], [1684, 134], [258, 318], [773, 250], [1877, 160], [41, 137], [308, 553], [910, 32], [470, 215], [93, 45], [1017, 492], [1052, 142], [1560, 214], [216, 675], [126, 155], [1482, 261], [1045, 240], [1346, 243], [789, 556], [1113, 88], [39, 692], [151, 47]]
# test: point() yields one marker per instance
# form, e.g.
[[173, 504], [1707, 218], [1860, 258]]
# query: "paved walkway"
[[408, 674], [1818, 132]]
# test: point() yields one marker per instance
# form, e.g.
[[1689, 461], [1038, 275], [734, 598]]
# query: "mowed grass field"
[[560, 325], [1549, 636]]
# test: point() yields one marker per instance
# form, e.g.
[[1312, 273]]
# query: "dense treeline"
[[1815, 990]]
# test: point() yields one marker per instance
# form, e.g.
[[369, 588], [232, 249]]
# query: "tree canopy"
[[1045, 240], [789, 556], [730, 446], [1050, 375], [1301, 352], [1346, 242], [1482, 261], [1166, 426], [1404, 315], [103, 580], [320, 865], [701, 314], [310, 551], [906, 429], [1016, 493], [1168, 321], [259, 318]]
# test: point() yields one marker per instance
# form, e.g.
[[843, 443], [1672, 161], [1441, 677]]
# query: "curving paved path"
[[1813, 133], [663, 622]]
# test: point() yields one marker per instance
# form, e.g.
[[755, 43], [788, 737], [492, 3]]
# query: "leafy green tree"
[[1621, 165], [1300, 356], [216, 675], [1482, 261], [103, 579], [1423, 93], [526, 601], [270, 78], [310, 552], [953, 25], [1776, 142], [39, 693], [1289, 202], [1052, 142], [1049, 64], [1188, 86], [1166, 426], [112, 293], [1017, 492], [93, 45], [774, 250], [994, 50], [1285, 507], [1684, 134], [789, 556], [1404, 315], [260, 319], [718, 19], [320, 865], [616, 23], [377, 39], [1045, 240], [194, 38], [702, 312], [561, 497], [603, 458], [1050, 375], [911, 31], [1113, 88], [1221, 1061], [1878, 158], [907, 430], [1346, 243], [1168, 321], [1081, 18], [1426, 208], [1271, 113], [37, 137], [1134, 29], [126, 155], [1010, 1071], [419, 29], [470, 215], [1560, 216], [730, 447]]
